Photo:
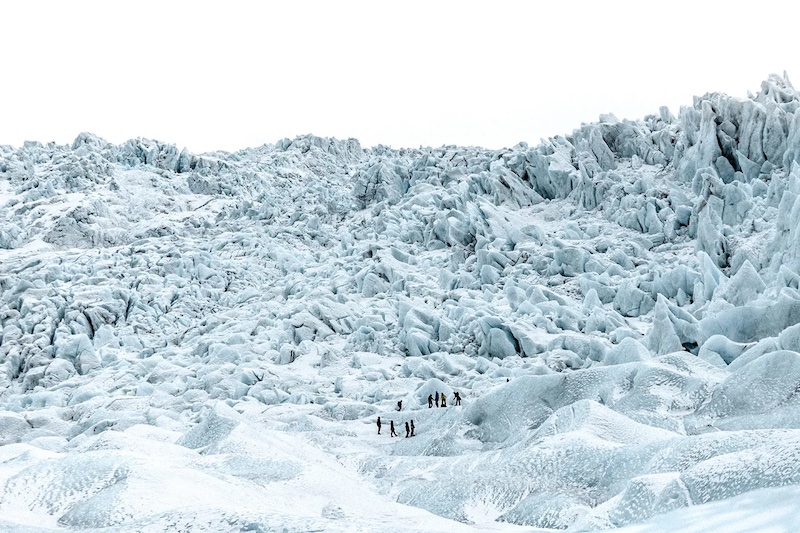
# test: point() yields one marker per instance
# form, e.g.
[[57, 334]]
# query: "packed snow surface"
[[205, 342]]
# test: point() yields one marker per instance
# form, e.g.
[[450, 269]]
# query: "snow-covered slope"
[[205, 341]]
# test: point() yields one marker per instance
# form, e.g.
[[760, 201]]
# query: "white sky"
[[232, 74]]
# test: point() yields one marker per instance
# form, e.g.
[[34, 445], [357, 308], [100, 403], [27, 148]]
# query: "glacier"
[[205, 341]]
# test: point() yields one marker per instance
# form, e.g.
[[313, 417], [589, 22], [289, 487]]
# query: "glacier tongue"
[[206, 341]]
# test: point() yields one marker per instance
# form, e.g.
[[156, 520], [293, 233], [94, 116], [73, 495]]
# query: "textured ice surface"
[[205, 341]]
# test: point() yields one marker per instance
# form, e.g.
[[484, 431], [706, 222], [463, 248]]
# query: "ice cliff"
[[620, 308]]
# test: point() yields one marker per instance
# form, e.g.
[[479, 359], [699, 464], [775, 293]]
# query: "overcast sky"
[[228, 75]]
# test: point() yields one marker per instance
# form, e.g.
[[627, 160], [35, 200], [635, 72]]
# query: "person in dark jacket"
[[430, 401], [436, 398], [399, 405], [457, 397], [408, 431], [412, 428], [379, 425], [392, 433]]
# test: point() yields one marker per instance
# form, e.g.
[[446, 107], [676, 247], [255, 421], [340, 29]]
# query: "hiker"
[[379, 425], [412, 428], [393, 433], [437, 398], [444, 401], [458, 397], [430, 401], [408, 431], [399, 405]]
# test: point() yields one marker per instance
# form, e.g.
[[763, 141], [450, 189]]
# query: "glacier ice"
[[618, 307]]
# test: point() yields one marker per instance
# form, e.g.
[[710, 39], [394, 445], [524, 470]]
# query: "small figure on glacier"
[[430, 401], [444, 400], [399, 405], [437, 398], [408, 431], [457, 396], [379, 425], [392, 432], [412, 428]]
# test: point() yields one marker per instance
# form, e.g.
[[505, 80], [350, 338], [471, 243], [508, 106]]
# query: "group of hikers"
[[442, 399], [439, 399], [393, 433]]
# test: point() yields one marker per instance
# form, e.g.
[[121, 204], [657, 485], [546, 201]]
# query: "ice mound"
[[592, 419], [772, 509]]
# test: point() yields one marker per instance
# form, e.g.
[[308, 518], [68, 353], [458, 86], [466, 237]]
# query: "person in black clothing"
[[412, 428], [436, 398], [430, 401], [408, 431], [379, 425], [457, 397], [399, 405], [393, 433]]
